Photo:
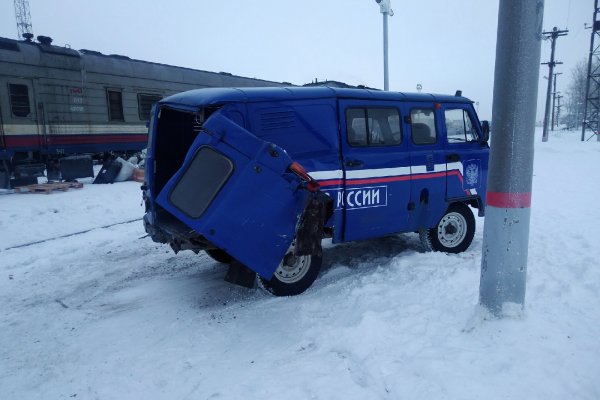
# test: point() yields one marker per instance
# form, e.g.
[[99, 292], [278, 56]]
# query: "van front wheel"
[[294, 275], [453, 233]]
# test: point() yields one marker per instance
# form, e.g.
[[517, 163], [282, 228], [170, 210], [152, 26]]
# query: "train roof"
[[30, 52], [217, 96]]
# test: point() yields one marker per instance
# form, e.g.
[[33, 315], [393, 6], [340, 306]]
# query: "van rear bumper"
[[174, 233]]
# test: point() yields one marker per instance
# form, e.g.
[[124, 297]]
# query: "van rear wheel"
[[453, 233], [294, 275]]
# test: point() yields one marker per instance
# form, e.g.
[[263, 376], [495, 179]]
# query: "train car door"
[[21, 129], [428, 165], [376, 169]]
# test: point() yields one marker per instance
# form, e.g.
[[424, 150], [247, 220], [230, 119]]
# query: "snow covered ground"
[[107, 314]]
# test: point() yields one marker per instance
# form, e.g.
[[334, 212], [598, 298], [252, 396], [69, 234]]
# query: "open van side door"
[[236, 191]]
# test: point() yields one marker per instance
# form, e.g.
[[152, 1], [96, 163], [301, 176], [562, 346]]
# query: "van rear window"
[[201, 182], [373, 126]]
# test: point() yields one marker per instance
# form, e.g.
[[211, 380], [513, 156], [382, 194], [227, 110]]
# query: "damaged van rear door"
[[238, 192]]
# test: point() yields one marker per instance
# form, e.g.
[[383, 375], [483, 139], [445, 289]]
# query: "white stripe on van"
[[377, 173], [325, 175]]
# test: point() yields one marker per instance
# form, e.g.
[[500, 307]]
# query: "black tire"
[[219, 256], [453, 233], [294, 275]]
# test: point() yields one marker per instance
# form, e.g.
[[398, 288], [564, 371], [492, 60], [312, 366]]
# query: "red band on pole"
[[509, 200]]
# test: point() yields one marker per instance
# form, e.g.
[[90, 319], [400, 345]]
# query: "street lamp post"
[[386, 9]]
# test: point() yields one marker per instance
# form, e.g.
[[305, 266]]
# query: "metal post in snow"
[[506, 231], [386, 9], [386, 83]]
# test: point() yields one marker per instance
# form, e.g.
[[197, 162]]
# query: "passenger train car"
[[57, 101]]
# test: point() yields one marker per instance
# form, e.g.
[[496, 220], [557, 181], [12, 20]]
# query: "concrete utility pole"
[[554, 93], [552, 36], [385, 8], [506, 232]]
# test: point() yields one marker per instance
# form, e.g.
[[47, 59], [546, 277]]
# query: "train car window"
[[145, 103], [115, 105], [19, 100]]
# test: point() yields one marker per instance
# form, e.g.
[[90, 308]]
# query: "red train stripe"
[[95, 139], [35, 141], [22, 141]]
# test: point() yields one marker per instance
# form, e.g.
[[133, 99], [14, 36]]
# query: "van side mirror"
[[485, 127]]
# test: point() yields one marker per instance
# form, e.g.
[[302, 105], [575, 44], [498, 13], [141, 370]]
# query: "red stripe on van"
[[398, 178]]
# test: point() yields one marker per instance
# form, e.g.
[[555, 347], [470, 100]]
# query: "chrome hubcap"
[[452, 229]]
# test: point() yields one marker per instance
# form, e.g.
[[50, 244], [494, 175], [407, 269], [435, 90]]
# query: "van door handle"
[[354, 163], [453, 157]]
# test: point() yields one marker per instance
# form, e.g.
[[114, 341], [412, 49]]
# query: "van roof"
[[216, 96]]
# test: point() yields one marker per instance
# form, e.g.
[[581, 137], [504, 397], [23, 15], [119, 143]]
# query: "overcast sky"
[[442, 44]]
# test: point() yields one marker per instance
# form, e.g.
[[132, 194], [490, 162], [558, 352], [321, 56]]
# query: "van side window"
[[115, 105], [19, 100], [373, 126], [423, 129], [459, 127]]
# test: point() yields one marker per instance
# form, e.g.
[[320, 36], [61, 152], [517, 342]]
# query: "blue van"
[[257, 177]]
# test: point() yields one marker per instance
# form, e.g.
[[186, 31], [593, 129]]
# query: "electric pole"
[[554, 93], [553, 35], [558, 107], [510, 175], [591, 108], [23, 18]]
